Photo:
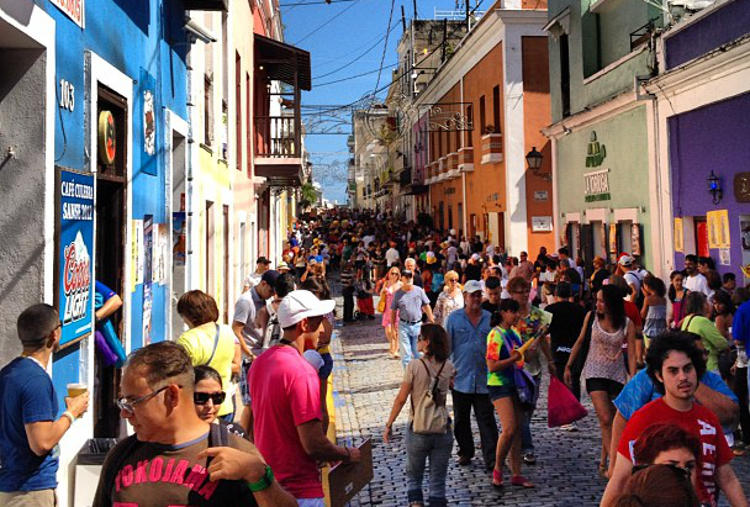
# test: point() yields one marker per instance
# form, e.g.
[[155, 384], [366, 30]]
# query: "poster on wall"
[[613, 238], [148, 256], [161, 245], [147, 105], [75, 245], [679, 240], [136, 254], [718, 229], [178, 245], [635, 239]]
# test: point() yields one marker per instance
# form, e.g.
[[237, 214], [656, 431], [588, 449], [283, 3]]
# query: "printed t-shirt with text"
[[158, 474], [698, 421], [285, 392]]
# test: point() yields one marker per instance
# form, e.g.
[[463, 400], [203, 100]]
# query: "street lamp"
[[714, 187], [534, 159]]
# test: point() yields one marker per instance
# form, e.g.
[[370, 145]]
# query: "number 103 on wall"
[[67, 96]]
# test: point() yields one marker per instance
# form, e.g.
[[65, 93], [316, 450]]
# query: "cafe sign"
[[596, 186], [74, 9]]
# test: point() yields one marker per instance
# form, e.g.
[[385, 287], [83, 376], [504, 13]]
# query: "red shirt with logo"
[[698, 421]]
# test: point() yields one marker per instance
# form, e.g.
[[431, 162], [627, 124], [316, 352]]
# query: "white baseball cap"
[[472, 286], [626, 260], [475, 257], [301, 304]]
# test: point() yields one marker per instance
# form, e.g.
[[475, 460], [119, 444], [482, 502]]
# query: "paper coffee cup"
[[76, 390]]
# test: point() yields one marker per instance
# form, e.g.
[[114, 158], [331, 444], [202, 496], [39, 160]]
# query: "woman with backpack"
[[504, 365], [428, 434]]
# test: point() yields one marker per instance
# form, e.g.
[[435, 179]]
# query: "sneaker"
[[569, 427], [529, 458]]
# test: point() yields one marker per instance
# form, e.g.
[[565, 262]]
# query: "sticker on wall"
[[148, 257], [149, 123], [679, 239], [107, 139], [725, 258]]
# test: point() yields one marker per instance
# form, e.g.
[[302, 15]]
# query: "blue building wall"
[[143, 39]]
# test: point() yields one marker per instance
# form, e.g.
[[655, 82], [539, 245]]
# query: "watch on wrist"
[[263, 483]]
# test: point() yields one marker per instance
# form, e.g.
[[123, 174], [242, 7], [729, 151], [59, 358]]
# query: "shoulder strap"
[[216, 343], [218, 435], [429, 373]]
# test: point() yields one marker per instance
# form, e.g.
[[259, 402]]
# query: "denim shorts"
[[499, 392]]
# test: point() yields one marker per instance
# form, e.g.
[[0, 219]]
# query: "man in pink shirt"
[[285, 394]]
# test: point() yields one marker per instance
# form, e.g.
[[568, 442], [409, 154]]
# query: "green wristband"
[[264, 482]]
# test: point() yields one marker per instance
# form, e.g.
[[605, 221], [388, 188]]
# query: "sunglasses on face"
[[216, 398]]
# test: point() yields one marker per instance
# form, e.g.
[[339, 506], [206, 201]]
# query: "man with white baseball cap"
[[467, 330], [630, 275], [286, 406]]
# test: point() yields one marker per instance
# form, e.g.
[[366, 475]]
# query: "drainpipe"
[[189, 222], [463, 144]]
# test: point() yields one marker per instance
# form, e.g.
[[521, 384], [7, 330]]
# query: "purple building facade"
[[704, 98]]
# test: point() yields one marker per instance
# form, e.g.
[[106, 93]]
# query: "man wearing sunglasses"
[[174, 458], [675, 364], [29, 425]]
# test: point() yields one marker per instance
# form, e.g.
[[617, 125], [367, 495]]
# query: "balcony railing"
[[277, 137]]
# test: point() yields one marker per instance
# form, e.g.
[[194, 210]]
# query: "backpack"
[[430, 415], [438, 280]]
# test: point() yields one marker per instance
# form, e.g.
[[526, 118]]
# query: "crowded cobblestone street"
[[366, 381]]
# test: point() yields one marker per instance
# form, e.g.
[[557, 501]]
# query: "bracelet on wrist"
[[263, 483], [70, 416]]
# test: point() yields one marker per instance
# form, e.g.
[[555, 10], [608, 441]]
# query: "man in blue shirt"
[[468, 329], [712, 392], [29, 430]]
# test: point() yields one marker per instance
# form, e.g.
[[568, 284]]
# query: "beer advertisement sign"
[[75, 248]]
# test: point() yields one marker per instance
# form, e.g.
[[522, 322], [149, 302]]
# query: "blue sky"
[[352, 28]]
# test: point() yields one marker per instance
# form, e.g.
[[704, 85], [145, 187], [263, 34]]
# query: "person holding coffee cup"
[[29, 427]]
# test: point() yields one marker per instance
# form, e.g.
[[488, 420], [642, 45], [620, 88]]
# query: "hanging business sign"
[[75, 246], [541, 224], [74, 9]]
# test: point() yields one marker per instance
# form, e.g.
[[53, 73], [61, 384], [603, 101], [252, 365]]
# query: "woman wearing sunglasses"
[[208, 396]]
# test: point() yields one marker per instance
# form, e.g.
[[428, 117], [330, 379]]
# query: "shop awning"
[[417, 190], [206, 5], [282, 61]]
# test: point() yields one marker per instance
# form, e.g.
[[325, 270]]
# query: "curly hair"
[[679, 341]]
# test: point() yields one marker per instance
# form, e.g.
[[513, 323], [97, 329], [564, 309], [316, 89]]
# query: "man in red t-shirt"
[[285, 394], [675, 365]]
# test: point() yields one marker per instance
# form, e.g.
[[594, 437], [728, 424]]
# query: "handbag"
[[562, 407], [381, 304], [524, 382], [429, 413]]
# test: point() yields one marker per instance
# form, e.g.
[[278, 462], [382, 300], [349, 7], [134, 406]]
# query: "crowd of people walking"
[[239, 411]]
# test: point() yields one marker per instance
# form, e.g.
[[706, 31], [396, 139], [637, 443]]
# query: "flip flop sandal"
[[520, 480], [497, 478]]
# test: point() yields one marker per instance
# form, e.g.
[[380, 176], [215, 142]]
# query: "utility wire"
[[316, 30], [324, 2], [379, 69], [385, 46], [351, 104], [355, 59]]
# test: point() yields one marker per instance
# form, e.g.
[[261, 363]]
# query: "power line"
[[324, 2], [352, 104], [355, 59], [354, 2], [385, 46], [379, 69]]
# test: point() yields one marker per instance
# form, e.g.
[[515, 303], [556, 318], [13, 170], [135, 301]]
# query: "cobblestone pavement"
[[366, 381]]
